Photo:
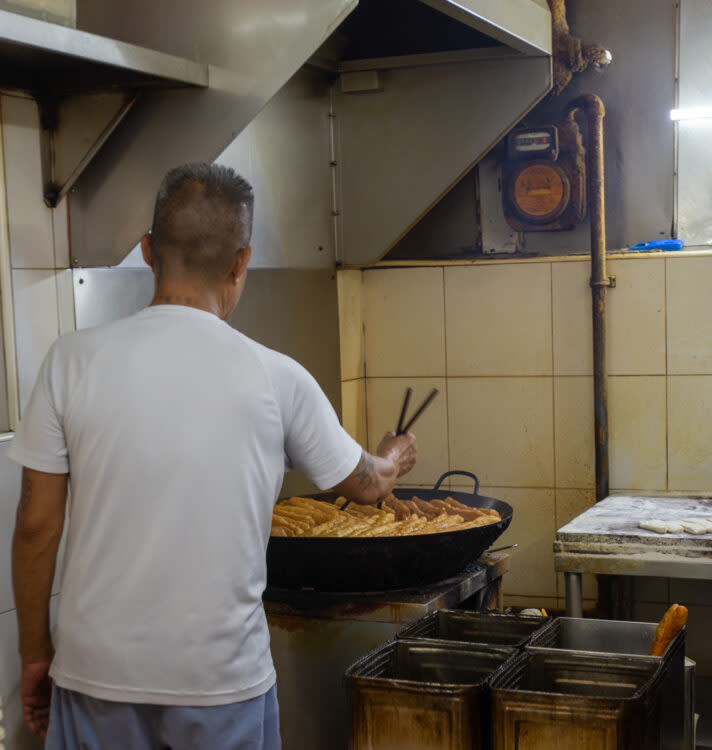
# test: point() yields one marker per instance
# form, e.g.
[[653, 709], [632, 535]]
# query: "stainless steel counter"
[[606, 539]]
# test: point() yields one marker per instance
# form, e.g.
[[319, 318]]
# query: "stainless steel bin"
[[423, 696], [632, 638], [543, 700], [492, 628]]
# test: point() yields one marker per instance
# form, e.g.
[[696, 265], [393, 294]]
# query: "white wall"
[[44, 309]]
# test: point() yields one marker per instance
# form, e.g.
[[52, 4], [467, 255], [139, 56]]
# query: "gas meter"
[[544, 175]]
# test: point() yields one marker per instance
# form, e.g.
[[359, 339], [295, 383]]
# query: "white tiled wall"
[[43, 308], [510, 344]]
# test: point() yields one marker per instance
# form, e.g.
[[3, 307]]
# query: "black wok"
[[377, 563]]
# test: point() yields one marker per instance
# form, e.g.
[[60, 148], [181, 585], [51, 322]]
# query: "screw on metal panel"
[[75, 261], [81, 281]]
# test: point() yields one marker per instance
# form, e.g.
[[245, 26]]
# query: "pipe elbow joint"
[[591, 104]]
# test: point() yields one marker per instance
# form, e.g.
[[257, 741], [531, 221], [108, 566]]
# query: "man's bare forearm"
[[373, 478], [38, 531]]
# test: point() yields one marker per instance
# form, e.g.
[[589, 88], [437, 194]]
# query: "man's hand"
[[375, 476], [401, 449], [36, 692]]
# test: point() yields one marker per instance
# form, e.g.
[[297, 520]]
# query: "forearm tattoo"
[[365, 470], [24, 497]]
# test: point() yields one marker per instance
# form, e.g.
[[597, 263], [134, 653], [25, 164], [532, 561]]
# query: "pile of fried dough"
[[303, 516]]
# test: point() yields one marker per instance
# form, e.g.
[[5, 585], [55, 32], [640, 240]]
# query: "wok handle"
[[460, 473]]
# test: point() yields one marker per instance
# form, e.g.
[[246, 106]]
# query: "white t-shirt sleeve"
[[315, 443], [39, 442]]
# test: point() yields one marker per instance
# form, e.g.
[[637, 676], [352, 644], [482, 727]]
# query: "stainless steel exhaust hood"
[[483, 64]]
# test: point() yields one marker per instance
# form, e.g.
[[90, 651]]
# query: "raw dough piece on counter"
[[698, 523], [674, 527], [682, 526], [654, 524]]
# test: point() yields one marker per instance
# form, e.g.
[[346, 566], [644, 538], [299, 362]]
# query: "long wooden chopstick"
[[406, 401], [420, 410]]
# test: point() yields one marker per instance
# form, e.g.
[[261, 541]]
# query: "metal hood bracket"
[[84, 85]]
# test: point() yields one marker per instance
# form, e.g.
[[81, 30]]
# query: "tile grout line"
[[527, 377], [553, 411], [447, 386], [667, 383], [363, 344]]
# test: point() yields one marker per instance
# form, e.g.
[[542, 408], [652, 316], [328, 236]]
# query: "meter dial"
[[539, 191]]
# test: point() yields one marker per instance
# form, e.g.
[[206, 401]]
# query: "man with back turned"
[[173, 430]]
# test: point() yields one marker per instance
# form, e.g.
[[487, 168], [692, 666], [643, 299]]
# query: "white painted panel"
[[65, 301], [10, 478], [36, 324], [31, 237]]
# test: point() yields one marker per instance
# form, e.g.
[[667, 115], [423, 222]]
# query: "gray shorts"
[[78, 722]]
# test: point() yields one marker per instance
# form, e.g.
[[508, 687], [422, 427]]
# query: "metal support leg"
[[574, 595]]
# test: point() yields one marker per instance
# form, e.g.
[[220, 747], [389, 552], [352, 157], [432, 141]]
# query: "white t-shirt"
[[175, 429]]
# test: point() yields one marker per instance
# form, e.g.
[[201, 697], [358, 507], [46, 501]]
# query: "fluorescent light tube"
[[691, 113]]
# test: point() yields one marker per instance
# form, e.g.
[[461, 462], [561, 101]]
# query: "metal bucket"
[[420, 696], [572, 700], [631, 638]]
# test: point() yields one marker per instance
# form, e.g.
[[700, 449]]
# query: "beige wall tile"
[[30, 221], [689, 281], [405, 333], [502, 429], [575, 449], [350, 291], [353, 409], [295, 483], [637, 425], [533, 526], [572, 503], [384, 400], [36, 323], [690, 439], [636, 317], [498, 320], [573, 330], [569, 504]]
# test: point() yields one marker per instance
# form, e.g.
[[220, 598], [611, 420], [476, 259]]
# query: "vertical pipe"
[[593, 107]]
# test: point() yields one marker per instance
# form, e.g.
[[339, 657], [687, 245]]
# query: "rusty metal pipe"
[[593, 108]]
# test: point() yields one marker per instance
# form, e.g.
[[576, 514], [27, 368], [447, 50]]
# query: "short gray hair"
[[202, 217]]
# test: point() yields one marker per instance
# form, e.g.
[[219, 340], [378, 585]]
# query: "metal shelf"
[[41, 57]]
